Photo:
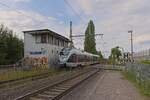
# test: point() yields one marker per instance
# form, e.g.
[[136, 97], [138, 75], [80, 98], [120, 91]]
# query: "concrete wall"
[[48, 50]]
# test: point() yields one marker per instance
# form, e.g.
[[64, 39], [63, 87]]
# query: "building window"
[[43, 38], [57, 42], [52, 40], [62, 43], [37, 39], [49, 39]]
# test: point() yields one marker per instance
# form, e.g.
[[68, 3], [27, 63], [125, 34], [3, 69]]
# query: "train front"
[[63, 56]]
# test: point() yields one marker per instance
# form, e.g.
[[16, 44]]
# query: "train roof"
[[80, 52]]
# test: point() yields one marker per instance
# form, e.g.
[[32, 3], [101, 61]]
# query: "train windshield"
[[65, 51]]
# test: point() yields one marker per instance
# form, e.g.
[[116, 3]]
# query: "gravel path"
[[108, 86]]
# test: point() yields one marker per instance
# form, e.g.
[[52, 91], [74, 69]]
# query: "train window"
[[82, 58], [65, 51], [72, 58], [79, 58]]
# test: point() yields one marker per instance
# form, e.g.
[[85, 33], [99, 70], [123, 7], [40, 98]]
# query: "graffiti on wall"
[[36, 62]]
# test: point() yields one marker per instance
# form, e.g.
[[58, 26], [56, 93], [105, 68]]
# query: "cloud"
[[28, 20], [115, 18], [52, 18], [142, 38], [86, 6]]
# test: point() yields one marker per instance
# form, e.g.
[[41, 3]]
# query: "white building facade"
[[44, 46]]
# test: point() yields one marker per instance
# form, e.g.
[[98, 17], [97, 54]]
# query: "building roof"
[[33, 32]]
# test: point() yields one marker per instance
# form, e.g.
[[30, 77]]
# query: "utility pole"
[[71, 41], [131, 45], [75, 36]]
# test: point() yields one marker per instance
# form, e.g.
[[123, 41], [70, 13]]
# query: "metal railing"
[[141, 73]]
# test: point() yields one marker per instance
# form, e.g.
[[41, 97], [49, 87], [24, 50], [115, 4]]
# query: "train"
[[72, 57]]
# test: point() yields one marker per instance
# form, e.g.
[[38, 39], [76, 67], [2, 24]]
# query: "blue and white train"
[[71, 57]]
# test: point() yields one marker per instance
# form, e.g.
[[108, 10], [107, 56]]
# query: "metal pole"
[[71, 41], [131, 45], [71, 31]]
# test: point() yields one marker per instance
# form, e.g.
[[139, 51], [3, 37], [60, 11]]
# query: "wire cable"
[[75, 12]]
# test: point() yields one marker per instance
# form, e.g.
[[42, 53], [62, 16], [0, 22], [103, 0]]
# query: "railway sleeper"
[[57, 90], [46, 96], [35, 98], [51, 93], [61, 88], [65, 85], [43, 97]]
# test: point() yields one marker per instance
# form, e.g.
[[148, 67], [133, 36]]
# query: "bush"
[[11, 47], [145, 62]]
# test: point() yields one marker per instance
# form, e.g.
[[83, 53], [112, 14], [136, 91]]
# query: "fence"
[[143, 55], [142, 74]]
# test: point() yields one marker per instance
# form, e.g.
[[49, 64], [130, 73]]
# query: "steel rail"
[[58, 90]]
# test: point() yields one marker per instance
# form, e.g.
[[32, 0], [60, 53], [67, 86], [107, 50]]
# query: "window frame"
[[44, 38]]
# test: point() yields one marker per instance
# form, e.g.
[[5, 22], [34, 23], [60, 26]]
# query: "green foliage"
[[145, 62], [115, 55], [11, 47], [100, 55], [89, 43], [16, 74]]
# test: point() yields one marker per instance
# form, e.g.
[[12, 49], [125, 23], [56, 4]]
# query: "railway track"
[[60, 89]]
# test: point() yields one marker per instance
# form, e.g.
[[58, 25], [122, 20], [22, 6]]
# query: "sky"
[[113, 18]]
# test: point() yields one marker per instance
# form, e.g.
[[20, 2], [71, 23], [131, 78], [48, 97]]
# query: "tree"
[[115, 54], [89, 43], [100, 55], [11, 47]]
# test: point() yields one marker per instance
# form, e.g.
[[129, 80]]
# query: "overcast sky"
[[113, 18]]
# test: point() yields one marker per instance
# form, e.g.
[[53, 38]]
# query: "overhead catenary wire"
[[74, 11]]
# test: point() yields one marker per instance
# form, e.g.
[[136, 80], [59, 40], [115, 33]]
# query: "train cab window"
[[65, 51], [61, 53]]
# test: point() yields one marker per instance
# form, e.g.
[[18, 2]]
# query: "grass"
[[145, 62], [143, 87], [13, 74]]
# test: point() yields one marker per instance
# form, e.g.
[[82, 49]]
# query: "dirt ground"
[[110, 85]]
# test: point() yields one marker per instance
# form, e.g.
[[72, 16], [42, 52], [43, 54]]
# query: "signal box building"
[[43, 46]]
